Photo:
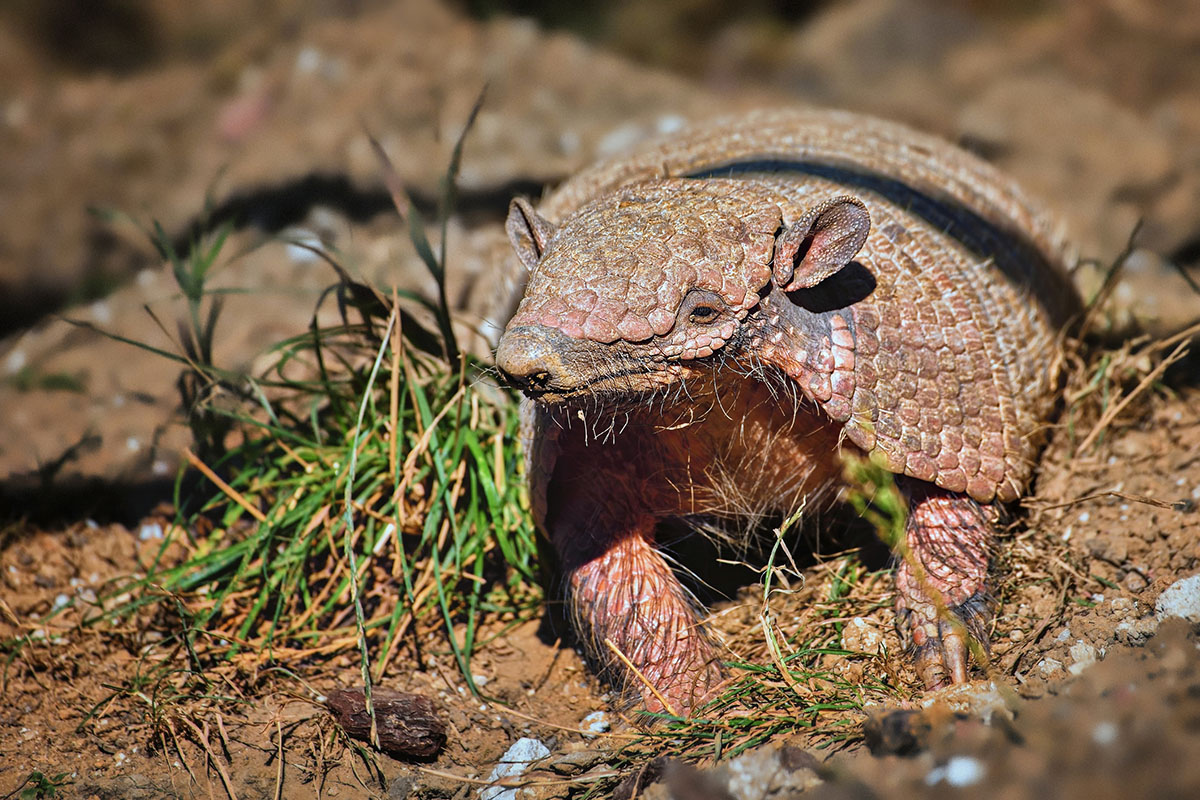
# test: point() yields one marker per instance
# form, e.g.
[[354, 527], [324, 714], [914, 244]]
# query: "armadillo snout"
[[532, 357]]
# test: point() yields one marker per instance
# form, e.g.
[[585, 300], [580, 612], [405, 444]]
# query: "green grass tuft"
[[364, 490]]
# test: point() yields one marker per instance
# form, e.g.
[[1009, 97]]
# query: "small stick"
[[1133, 498], [279, 766], [202, 739], [229, 491], [624, 660]]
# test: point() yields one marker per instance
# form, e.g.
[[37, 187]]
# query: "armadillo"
[[711, 324]]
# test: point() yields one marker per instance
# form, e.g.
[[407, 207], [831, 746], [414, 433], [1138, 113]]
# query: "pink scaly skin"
[[710, 324], [648, 620]]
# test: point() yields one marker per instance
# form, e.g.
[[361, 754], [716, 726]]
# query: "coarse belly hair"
[[723, 451]]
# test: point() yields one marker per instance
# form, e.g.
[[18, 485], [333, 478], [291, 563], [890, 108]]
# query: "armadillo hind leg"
[[631, 610], [942, 599]]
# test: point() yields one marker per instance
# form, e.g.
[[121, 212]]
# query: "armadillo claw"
[[940, 644]]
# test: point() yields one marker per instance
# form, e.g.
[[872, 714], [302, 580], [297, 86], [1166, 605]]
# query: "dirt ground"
[[150, 108]]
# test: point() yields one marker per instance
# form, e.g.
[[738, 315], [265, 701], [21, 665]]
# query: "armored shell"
[[935, 349]]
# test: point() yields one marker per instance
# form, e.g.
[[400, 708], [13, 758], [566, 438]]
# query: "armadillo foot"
[[942, 599], [640, 626], [940, 646]]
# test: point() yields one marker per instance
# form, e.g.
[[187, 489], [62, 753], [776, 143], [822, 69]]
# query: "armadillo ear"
[[820, 243], [528, 231]]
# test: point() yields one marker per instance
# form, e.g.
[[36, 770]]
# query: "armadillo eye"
[[704, 314]]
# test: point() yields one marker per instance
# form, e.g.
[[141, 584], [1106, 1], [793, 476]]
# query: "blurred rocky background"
[[115, 114]]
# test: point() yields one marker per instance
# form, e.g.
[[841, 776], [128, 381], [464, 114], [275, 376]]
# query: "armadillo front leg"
[[631, 610], [941, 582]]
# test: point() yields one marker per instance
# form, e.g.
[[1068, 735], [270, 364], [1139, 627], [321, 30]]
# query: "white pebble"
[[1180, 599], [60, 601], [1105, 733], [1083, 655], [1084, 516], [513, 763], [133, 444], [964, 771], [959, 771], [569, 143], [151, 530], [308, 60], [1049, 666], [15, 362], [669, 123], [596, 722], [860, 636], [301, 247], [101, 312], [480, 680]]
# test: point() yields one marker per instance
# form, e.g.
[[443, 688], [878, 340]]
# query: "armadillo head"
[[649, 282]]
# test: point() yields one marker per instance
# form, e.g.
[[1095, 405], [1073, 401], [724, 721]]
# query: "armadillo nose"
[[531, 357]]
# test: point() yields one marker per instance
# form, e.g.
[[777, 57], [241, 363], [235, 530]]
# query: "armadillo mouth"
[[619, 388]]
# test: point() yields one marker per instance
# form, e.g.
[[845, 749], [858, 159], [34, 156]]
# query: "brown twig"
[[279, 766], [229, 491], [202, 740], [637, 672], [1177, 505]]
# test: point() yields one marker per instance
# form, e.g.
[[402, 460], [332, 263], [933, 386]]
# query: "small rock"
[[515, 761], [959, 771], [1083, 655], [1049, 666], [768, 772], [1135, 632], [15, 362], [1105, 733], [596, 722], [304, 246], [860, 636], [1180, 599], [150, 530]]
